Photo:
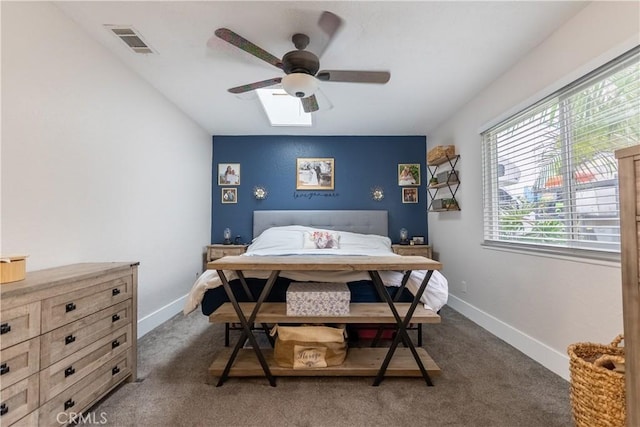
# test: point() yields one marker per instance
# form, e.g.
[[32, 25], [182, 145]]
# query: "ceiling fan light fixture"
[[300, 85]]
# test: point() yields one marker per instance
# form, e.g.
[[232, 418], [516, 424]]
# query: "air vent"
[[131, 38]]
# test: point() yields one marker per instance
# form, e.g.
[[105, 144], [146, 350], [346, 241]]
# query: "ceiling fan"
[[301, 66]]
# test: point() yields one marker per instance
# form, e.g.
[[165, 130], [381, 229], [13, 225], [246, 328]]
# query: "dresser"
[[68, 337], [629, 180]]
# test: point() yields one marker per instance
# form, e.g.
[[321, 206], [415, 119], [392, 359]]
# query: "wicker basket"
[[441, 152], [597, 392]]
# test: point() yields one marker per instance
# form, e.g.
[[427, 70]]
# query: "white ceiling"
[[440, 55]]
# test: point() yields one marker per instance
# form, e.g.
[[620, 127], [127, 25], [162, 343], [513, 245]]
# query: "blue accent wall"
[[361, 163]]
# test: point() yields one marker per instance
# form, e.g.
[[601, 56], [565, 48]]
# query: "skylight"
[[283, 109]]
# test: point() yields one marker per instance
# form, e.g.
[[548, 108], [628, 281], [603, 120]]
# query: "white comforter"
[[295, 240]]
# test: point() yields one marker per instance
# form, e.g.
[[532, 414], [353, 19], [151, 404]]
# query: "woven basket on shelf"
[[597, 393]]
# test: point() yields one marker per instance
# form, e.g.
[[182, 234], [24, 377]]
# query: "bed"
[[370, 226], [350, 247], [287, 233]]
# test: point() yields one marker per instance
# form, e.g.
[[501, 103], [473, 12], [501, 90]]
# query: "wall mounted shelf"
[[449, 202]]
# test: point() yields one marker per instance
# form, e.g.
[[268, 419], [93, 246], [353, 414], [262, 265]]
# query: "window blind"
[[550, 175]]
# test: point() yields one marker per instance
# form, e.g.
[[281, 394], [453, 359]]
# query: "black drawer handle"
[[69, 371], [115, 318], [69, 339], [115, 344], [3, 409], [70, 307], [69, 404], [4, 328], [115, 292], [4, 368], [115, 370]]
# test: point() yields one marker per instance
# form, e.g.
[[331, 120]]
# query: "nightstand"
[[218, 250], [415, 250]]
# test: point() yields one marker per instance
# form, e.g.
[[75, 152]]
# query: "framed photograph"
[[410, 195], [408, 174], [229, 195], [418, 240], [228, 173], [314, 174]]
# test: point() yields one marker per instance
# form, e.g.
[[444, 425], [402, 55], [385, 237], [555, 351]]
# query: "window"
[[550, 175]]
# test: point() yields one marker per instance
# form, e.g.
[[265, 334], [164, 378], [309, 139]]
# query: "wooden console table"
[[378, 362]]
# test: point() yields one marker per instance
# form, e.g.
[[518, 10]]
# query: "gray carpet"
[[484, 382]]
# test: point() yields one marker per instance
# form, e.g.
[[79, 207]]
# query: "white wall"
[[538, 304], [96, 164]]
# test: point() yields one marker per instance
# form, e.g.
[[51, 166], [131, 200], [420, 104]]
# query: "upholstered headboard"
[[356, 221]]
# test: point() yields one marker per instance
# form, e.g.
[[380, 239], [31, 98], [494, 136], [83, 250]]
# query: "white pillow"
[[277, 238], [365, 243]]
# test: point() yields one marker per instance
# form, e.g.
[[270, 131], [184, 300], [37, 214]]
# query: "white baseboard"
[[548, 357], [161, 315]]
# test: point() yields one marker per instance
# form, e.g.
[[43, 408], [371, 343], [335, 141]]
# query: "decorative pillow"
[[321, 240]]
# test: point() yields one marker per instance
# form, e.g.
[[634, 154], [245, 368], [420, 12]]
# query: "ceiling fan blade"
[[244, 44], [256, 85], [324, 104], [310, 104], [329, 23], [379, 77]]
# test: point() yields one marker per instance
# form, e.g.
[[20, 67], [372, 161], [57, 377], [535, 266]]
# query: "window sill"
[[609, 260]]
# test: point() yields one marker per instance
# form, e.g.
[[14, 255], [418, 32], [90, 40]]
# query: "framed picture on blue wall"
[[408, 174], [228, 173], [410, 195], [229, 195], [315, 173]]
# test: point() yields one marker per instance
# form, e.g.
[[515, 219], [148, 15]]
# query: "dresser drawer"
[[30, 420], [61, 375], [19, 361], [61, 342], [412, 250], [19, 323], [66, 308], [638, 243], [85, 392], [218, 251], [18, 400], [636, 173]]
